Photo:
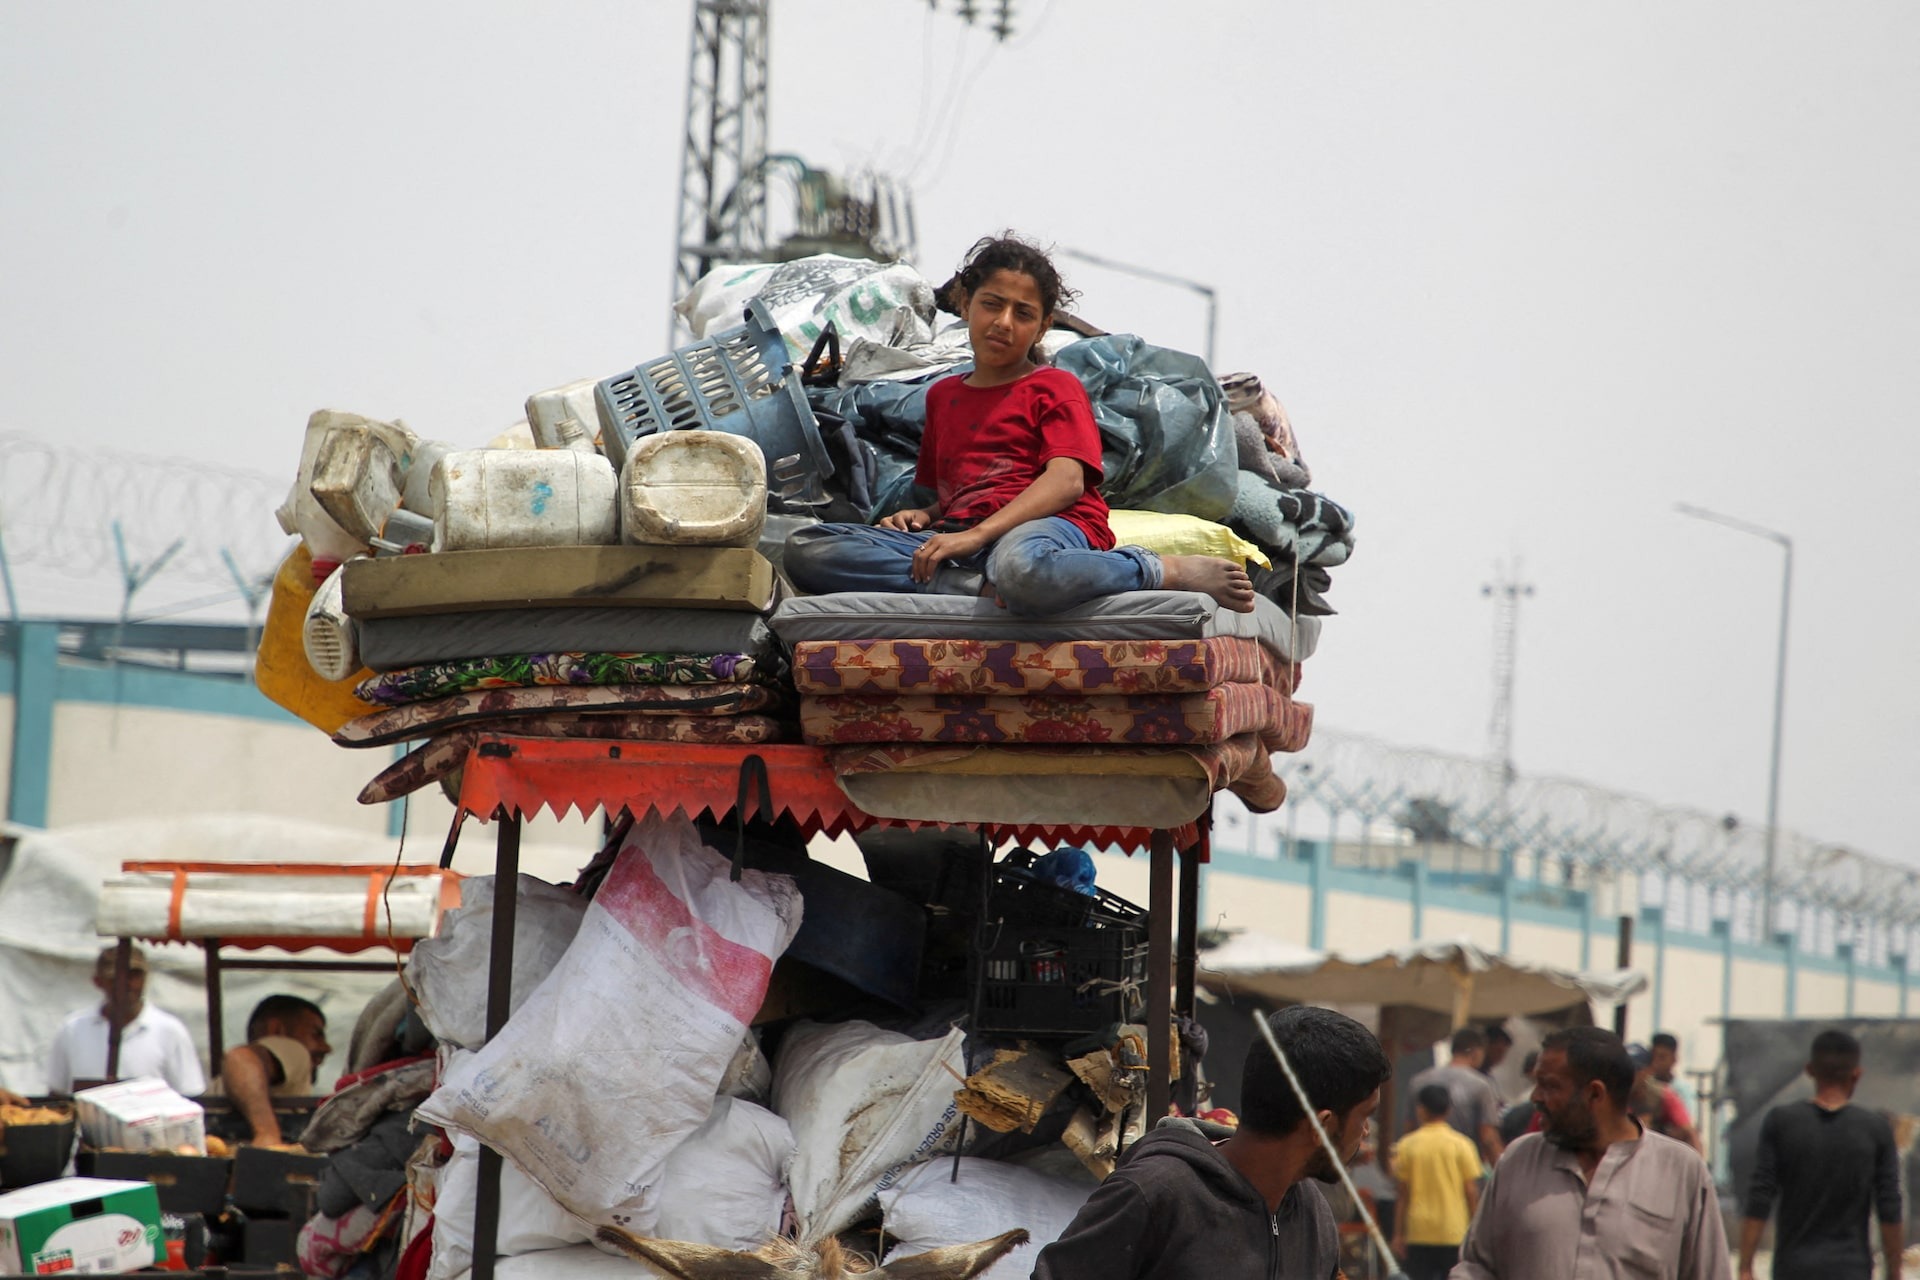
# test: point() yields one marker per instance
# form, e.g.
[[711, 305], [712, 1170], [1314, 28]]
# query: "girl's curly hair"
[[1008, 252]]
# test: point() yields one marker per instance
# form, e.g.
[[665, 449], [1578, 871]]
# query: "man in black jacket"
[[1183, 1206], [1827, 1166]]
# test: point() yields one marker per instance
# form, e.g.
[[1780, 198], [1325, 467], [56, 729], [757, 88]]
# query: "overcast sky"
[[1524, 274]]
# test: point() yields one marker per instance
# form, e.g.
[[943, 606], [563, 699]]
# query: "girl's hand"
[[912, 520], [942, 547]]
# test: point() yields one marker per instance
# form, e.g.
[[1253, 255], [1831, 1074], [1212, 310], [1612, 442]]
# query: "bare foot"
[[1224, 580]]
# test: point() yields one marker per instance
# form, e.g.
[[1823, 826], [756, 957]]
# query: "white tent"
[[49, 905], [1455, 978]]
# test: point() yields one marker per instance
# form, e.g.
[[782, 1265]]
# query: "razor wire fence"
[[1381, 806]]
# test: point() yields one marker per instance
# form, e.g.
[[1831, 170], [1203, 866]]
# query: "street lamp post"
[[1148, 273], [1779, 693]]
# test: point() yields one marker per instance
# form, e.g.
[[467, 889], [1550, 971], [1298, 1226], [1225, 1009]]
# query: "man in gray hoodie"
[[1189, 1204]]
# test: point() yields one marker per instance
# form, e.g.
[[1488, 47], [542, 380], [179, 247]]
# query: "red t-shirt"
[[984, 445]]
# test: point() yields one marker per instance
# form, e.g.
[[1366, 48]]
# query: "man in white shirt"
[[152, 1041]]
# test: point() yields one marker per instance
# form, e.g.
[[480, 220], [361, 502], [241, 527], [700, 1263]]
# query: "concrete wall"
[[122, 762]]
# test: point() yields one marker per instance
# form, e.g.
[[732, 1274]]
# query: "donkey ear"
[[955, 1262], [690, 1261]]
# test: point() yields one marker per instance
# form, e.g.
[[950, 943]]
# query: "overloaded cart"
[[601, 624]]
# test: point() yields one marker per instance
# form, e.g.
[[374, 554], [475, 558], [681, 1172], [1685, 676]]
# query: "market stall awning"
[[344, 907], [1455, 978], [505, 774]]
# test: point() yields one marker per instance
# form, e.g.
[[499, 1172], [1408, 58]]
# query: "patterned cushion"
[[1165, 719], [1027, 667]]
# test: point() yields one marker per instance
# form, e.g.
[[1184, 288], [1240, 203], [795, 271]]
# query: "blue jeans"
[[1040, 567]]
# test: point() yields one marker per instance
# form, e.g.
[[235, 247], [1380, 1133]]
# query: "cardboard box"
[[556, 577], [140, 1115], [80, 1226]]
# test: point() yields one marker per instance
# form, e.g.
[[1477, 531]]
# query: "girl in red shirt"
[[1012, 456]]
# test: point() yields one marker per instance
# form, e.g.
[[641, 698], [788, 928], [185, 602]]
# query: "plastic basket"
[[740, 381], [1042, 980], [1020, 897]]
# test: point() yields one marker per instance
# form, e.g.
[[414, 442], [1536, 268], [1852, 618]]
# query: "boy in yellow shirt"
[[1438, 1172]]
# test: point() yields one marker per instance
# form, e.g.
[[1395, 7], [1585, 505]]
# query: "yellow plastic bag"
[[281, 669], [1182, 536]]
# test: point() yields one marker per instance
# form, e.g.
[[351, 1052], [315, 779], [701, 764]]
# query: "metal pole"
[[506, 898], [1623, 959], [122, 986], [1779, 714], [216, 999], [1785, 544], [1213, 321], [1185, 962], [1159, 970]]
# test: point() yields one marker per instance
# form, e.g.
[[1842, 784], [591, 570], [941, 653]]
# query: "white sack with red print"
[[616, 1056]]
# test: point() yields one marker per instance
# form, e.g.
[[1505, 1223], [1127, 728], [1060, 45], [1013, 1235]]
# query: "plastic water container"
[[485, 498], [740, 381], [565, 417], [302, 513], [281, 668], [693, 488], [417, 497], [358, 478], [327, 634]]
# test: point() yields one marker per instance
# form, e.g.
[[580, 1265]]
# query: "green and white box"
[[80, 1226]]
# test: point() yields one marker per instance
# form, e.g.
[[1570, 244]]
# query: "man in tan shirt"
[[1594, 1196]]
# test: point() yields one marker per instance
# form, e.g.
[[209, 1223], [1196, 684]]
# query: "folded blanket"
[[422, 719], [1029, 667], [1166, 719], [448, 750], [1292, 524], [438, 679]]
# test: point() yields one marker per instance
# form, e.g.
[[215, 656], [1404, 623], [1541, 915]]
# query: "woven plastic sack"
[[885, 302], [930, 1208], [618, 1055], [865, 1104]]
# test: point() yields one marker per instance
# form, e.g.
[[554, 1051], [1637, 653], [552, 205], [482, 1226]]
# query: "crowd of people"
[[1596, 1176]]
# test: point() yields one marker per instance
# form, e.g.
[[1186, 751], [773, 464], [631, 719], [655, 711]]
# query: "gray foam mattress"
[[1130, 615], [387, 644]]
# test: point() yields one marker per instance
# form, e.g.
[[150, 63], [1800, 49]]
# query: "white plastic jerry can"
[[359, 476], [486, 498], [693, 488], [302, 513], [565, 417]]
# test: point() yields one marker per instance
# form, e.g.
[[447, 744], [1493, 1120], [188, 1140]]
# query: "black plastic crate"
[[186, 1184], [1020, 897], [270, 1182], [33, 1153], [1055, 980]]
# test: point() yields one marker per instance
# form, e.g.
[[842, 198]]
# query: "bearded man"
[[1594, 1195]]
